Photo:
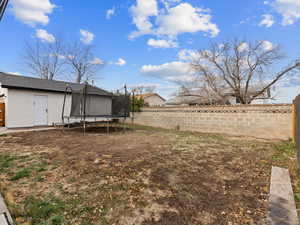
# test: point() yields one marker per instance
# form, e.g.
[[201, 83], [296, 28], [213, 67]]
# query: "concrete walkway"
[[5, 217], [282, 207], [4, 130]]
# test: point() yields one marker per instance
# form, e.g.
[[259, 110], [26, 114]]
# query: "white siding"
[[154, 100], [19, 107], [260, 101], [231, 100]]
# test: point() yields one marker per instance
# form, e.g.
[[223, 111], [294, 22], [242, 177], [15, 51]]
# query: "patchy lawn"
[[142, 177]]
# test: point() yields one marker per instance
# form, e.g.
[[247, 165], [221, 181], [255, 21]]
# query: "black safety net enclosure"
[[88, 104], [91, 102], [121, 105]]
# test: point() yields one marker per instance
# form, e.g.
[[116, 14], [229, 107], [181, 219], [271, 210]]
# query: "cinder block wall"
[[262, 121]]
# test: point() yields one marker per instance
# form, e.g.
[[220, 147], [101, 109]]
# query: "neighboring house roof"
[[22, 82], [252, 90], [186, 100], [144, 96]]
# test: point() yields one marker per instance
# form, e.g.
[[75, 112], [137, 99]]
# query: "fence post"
[[294, 121], [296, 126]]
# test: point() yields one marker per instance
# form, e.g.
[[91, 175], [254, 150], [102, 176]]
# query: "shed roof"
[[22, 82]]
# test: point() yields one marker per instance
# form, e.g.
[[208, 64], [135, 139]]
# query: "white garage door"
[[40, 105]]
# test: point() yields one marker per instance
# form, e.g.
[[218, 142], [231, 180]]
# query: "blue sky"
[[145, 41]]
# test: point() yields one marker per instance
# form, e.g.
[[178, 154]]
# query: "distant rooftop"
[[147, 95]]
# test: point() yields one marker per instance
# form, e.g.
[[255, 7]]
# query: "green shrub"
[[137, 104]]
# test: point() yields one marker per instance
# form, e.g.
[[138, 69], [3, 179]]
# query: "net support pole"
[[132, 108], [64, 106], [84, 107], [125, 111]]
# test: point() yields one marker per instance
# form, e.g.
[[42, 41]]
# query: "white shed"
[[30, 102]]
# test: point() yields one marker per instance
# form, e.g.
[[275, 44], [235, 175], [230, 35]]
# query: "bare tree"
[[150, 89], [84, 66], [243, 69], [142, 89], [44, 59]]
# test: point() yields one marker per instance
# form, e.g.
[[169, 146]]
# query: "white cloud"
[[170, 21], [173, 71], [246, 20], [86, 37], [162, 43], [243, 47], [15, 73], [121, 62], [97, 61], [44, 36], [184, 18], [59, 56], [286, 94], [169, 3], [188, 55], [267, 21], [70, 56], [32, 12], [164, 89], [289, 9], [141, 13], [267, 45], [110, 13]]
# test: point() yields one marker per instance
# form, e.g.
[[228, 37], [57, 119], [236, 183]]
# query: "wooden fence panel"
[[2, 114]]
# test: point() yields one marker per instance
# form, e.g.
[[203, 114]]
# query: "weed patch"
[[6, 161], [21, 174], [285, 152], [44, 210], [285, 156]]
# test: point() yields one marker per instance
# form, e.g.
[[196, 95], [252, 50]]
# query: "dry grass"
[[142, 177]]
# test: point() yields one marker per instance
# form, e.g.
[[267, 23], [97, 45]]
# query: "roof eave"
[[48, 90]]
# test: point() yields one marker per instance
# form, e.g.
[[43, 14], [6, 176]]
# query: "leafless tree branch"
[[240, 69], [43, 59], [84, 66]]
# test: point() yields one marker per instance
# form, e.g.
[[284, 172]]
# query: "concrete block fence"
[[262, 121]]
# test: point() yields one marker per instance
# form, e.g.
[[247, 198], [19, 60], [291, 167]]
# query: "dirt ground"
[[140, 177]]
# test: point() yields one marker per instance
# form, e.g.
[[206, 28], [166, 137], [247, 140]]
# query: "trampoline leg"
[[132, 122], [107, 127], [124, 125], [84, 127]]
